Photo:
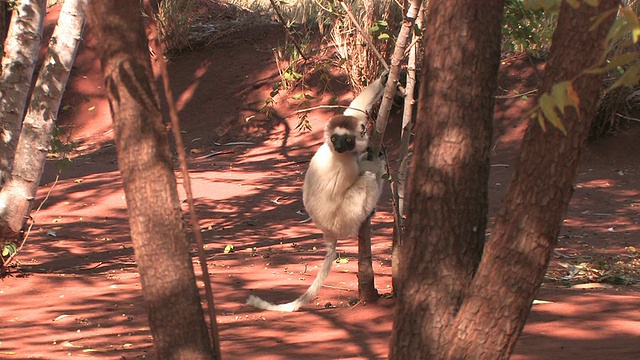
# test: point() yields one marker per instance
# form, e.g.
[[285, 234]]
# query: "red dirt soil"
[[77, 294]]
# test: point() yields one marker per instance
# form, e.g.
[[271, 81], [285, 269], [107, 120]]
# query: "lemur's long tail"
[[305, 298], [363, 103]]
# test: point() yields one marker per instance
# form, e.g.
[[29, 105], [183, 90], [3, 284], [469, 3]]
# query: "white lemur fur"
[[341, 186]]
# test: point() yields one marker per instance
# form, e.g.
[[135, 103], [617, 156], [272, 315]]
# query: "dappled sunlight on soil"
[[76, 293], [577, 324]]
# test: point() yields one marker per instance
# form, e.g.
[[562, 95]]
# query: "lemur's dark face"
[[345, 134], [343, 140]]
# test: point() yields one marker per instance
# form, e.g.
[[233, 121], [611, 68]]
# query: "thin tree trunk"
[[449, 174], [516, 257], [366, 287], [20, 56], [35, 137], [158, 233], [403, 154]]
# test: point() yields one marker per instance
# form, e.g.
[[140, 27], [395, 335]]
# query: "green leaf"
[[228, 249], [550, 104], [623, 25], [548, 109], [384, 36], [630, 77], [635, 34], [564, 95], [632, 24], [298, 96], [343, 260], [615, 62], [9, 249]]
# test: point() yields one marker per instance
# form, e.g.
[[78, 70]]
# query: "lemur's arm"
[[362, 104]]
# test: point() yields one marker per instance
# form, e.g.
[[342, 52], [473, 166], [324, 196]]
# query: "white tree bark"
[[365, 268], [17, 195], [405, 141], [18, 64]]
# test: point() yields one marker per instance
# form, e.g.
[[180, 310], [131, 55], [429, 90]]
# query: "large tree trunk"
[[437, 319], [33, 144], [20, 55], [449, 175], [528, 224], [157, 230]]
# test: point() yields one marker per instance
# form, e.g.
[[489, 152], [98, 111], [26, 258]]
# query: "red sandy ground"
[[77, 294]]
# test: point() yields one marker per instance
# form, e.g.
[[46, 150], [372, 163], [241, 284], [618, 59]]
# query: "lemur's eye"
[[349, 139], [333, 139]]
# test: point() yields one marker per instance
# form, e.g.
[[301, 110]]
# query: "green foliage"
[[619, 64], [294, 68], [621, 44], [9, 249], [552, 105], [341, 260], [526, 28], [379, 30], [347, 49], [619, 61], [8, 252], [60, 147]]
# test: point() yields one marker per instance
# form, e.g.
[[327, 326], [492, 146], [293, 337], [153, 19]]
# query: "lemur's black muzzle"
[[343, 143]]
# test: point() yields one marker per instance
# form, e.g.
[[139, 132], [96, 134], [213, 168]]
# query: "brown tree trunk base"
[[366, 288]]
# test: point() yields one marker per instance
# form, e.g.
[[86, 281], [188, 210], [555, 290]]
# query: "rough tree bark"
[[20, 55], [447, 309], [18, 192], [449, 174], [158, 233]]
